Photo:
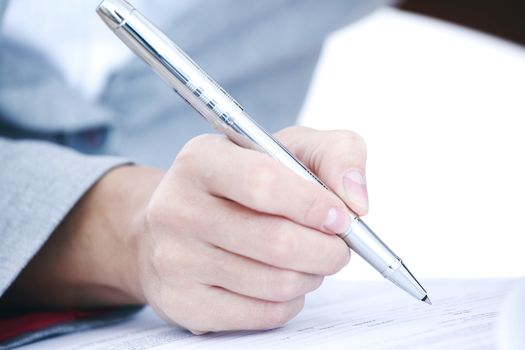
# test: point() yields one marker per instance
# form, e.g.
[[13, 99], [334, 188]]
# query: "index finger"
[[258, 182], [337, 157]]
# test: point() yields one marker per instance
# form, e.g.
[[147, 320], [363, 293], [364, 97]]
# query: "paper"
[[341, 315]]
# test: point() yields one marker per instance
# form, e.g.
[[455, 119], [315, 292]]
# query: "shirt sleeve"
[[39, 184]]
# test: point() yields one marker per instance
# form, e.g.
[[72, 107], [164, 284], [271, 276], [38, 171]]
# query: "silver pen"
[[228, 117]]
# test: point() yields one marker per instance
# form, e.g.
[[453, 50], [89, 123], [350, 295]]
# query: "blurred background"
[[502, 18], [437, 91]]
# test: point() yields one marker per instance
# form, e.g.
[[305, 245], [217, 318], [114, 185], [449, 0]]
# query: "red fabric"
[[11, 327]]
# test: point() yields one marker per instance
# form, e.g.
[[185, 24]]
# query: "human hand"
[[226, 239], [231, 239]]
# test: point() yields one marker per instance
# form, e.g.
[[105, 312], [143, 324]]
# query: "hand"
[[226, 239], [232, 239]]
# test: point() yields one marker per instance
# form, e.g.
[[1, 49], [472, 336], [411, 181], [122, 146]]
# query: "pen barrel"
[[228, 117], [365, 242]]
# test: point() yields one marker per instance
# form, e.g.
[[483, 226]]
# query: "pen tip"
[[426, 299]]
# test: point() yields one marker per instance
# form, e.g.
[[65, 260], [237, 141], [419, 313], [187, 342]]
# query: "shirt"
[[70, 35]]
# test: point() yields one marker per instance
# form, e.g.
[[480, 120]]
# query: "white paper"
[[341, 315]]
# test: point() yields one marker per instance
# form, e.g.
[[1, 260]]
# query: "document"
[[340, 315]]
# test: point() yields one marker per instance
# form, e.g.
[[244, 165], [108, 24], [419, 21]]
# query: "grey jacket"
[[263, 52]]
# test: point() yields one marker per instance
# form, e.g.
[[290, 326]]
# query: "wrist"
[[91, 258], [118, 209]]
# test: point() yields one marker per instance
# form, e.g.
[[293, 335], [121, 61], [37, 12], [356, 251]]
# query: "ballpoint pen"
[[228, 117]]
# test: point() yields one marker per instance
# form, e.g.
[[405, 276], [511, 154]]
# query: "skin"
[[224, 240]]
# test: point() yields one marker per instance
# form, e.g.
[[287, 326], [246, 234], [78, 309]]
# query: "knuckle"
[[191, 147], [278, 314], [340, 257], [347, 139], [184, 164], [314, 203], [288, 285], [200, 141], [190, 156], [355, 140], [291, 130], [261, 185], [193, 319], [281, 243]]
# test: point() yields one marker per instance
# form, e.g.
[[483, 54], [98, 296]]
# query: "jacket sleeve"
[[39, 184]]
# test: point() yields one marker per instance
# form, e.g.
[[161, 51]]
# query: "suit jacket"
[[54, 143]]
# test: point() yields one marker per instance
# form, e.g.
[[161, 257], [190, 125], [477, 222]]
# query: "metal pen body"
[[228, 117]]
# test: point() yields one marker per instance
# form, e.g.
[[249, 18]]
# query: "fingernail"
[[355, 187], [337, 220]]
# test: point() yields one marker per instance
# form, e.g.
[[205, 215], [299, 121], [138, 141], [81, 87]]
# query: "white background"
[[442, 109]]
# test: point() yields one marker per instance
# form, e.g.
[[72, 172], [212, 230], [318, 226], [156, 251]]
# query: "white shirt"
[[73, 38]]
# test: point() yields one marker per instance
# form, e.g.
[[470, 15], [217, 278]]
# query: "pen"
[[228, 117]]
